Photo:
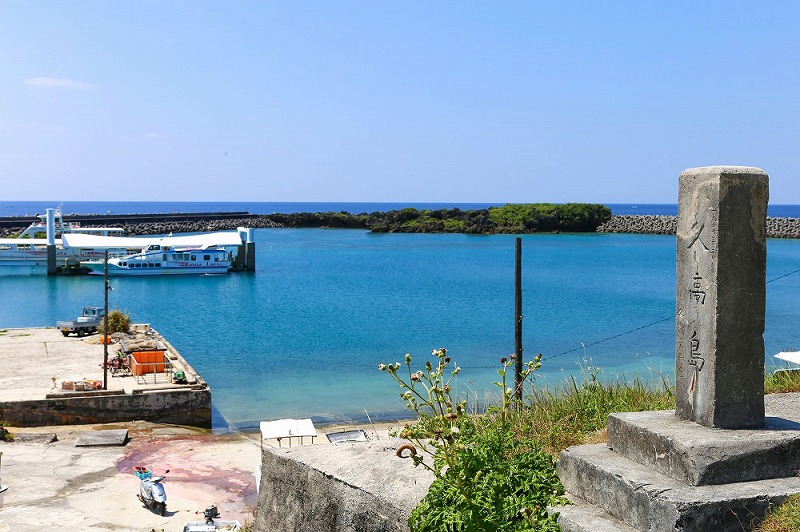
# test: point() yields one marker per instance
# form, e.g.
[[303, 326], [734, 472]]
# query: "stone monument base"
[[661, 473]]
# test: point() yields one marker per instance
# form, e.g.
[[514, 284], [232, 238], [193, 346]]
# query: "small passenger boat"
[[160, 259]]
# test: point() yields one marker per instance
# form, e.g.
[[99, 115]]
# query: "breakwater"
[[665, 225], [151, 224]]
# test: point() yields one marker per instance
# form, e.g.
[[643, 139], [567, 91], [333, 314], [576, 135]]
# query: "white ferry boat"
[[163, 259]]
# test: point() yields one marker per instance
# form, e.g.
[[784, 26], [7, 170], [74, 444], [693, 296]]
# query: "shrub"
[[118, 321]]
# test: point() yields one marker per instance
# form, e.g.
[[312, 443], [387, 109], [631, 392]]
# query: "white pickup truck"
[[87, 323]]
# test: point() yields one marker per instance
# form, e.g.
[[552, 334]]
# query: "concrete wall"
[[183, 406], [353, 486]]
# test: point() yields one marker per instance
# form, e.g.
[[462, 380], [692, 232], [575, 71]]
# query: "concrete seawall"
[[352, 486], [665, 225]]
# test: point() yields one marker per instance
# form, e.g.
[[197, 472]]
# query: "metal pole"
[[518, 320], [105, 324]]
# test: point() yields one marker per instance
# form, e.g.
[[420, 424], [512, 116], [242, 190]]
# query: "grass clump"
[[5, 435], [577, 410], [783, 518], [782, 381]]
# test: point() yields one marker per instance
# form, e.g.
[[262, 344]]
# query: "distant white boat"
[[39, 227], [162, 259], [29, 249]]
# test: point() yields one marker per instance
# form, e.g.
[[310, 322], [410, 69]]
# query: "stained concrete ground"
[[58, 486]]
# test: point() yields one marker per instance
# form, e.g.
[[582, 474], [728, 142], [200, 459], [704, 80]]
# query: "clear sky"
[[441, 101]]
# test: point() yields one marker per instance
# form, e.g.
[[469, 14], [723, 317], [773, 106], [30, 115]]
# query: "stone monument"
[[721, 296], [727, 453]]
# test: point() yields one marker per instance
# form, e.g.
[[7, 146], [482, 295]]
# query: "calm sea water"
[[302, 336]]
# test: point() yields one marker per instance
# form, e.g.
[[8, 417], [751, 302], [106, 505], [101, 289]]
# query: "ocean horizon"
[[32, 208]]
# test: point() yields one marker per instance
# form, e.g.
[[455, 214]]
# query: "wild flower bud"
[[446, 360], [408, 358], [428, 365], [382, 367], [503, 360], [457, 370]]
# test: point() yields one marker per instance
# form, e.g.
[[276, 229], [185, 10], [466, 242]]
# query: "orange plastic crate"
[[143, 362]]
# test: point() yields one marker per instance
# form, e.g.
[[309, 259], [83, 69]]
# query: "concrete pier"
[[36, 361]]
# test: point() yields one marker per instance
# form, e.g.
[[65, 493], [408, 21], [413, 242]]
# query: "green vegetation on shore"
[[511, 218], [495, 468]]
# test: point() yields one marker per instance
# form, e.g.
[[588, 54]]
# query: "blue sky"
[[393, 101]]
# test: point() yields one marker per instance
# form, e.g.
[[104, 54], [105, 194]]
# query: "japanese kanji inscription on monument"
[[720, 296]]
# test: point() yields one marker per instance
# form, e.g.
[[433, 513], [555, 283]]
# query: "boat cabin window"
[[206, 257], [194, 257]]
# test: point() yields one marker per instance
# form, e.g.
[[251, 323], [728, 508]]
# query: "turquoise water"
[[302, 336]]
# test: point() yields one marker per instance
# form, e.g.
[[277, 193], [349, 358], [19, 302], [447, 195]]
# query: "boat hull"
[[99, 269]]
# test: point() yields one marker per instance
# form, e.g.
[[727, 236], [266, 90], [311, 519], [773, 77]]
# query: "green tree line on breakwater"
[[511, 218]]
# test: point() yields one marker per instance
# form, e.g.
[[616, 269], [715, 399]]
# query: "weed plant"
[[487, 476]]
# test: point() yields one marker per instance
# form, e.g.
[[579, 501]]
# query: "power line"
[[583, 346]]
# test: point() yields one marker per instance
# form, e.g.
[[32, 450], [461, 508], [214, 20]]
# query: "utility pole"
[[518, 320], [105, 323]]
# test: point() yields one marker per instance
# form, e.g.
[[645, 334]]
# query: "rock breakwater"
[[666, 225], [170, 224]]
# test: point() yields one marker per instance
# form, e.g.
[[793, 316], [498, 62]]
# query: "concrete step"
[[580, 516], [700, 455], [650, 501]]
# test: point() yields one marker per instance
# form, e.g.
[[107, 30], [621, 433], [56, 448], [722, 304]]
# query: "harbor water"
[[303, 335]]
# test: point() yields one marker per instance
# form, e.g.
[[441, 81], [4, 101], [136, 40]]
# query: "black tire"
[[162, 508], [80, 333], [65, 333]]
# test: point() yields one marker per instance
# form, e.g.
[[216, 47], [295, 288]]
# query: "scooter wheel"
[[162, 508]]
